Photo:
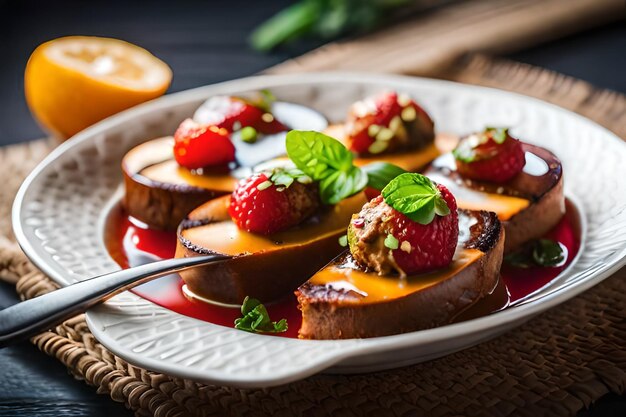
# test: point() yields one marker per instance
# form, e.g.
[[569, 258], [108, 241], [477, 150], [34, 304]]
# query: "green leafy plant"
[[256, 319], [325, 19], [328, 161], [416, 196]]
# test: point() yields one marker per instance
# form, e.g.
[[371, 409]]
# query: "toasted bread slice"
[[159, 192], [263, 267], [529, 205], [342, 301]]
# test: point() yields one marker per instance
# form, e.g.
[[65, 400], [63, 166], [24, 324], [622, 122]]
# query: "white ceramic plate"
[[60, 210]]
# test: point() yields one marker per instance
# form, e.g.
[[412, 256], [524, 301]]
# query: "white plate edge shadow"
[[364, 347]]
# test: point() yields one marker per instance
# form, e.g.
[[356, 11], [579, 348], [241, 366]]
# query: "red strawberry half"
[[387, 123], [197, 146], [263, 204], [384, 240], [492, 155]]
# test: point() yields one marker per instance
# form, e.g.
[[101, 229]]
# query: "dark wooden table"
[[204, 42]]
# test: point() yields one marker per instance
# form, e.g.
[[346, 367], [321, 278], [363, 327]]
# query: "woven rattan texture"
[[554, 365]]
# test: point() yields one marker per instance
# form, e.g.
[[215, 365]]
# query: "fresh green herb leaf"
[[268, 96], [316, 154], [466, 149], [498, 134], [343, 241], [326, 160], [256, 318], [379, 174], [248, 134], [441, 207], [416, 196], [541, 252], [289, 23], [325, 19], [391, 242], [264, 101], [286, 177], [264, 185], [342, 184], [548, 253]]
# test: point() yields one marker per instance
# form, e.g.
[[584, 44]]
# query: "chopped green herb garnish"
[[416, 196], [498, 134], [264, 100], [328, 161], [391, 242], [264, 185], [248, 134], [466, 149], [548, 253], [286, 177], [541, 252], [257, 320]]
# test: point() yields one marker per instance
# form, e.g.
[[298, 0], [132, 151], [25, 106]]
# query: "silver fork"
[[36, 315]]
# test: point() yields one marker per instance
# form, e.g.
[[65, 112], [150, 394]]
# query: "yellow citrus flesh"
[[74, 82]]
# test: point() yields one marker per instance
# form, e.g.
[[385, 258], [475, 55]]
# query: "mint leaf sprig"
[[540, 252], [416, 196], [256, 319], [328, 161]]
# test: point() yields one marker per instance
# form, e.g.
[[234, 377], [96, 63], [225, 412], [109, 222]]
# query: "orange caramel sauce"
[[411, 161], [503, 205], [169, 172], [225, 237], [376, 288], [153, 161]]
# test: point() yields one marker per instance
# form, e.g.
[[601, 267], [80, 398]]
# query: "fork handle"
[[33, 316]]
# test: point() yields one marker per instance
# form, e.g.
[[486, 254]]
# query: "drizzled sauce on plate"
[[132, 243]]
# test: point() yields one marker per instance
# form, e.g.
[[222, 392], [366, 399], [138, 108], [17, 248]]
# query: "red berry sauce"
[[130, 243]]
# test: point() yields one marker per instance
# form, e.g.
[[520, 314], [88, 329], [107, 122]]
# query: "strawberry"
[[492, 155], [197, 146], [233, 113], [267, 204], [387, 123], [383, 239], [371, 192]]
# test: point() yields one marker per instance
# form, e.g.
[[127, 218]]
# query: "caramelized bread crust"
[[329, 313], [266, 276], [159, 204]]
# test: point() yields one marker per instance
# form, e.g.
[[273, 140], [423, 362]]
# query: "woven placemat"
[[556, 364]]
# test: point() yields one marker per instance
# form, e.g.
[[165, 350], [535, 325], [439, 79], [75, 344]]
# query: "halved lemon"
[[74, 82]]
